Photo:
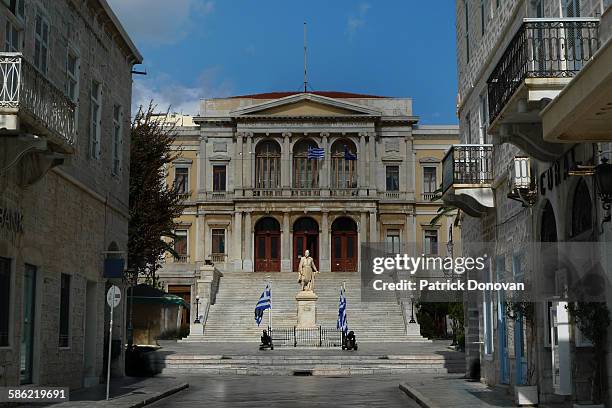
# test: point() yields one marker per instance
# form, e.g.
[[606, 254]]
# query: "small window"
[[41, 43], [218, 241], [72, 81], [218, 178], [468, 130], [5, 300], [181, 180], [467, 32], [12, 38], [393, 241], [483, 16], [64, 329], [429, 179], [430, 244], [483, 116], [392, 178], [95, 118], [180, 242], [17, 7], [117, 138]]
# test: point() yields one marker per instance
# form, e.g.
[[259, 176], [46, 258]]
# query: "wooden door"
[[344, 251], [303, 241], [267, 252]]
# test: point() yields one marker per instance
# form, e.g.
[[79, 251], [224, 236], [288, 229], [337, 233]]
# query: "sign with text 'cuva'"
[[113, 296]]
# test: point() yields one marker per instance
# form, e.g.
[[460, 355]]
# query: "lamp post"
[[603, 180], [412, 311], [197, 319]]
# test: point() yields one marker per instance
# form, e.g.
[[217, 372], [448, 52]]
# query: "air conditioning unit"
[[521, 182]]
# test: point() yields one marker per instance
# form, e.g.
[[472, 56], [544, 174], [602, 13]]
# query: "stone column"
[[286, 244], [202, 167], [247, 264], [237, 238], [373, 165], [286, 164], [325, 261], [373, 227], [247, 177], [361, 158], [238, 157], [198, 243], [363, 236], [325, 166]]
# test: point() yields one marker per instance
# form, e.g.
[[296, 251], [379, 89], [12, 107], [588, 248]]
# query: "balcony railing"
[[267, 192], [344, 192], [182, 258], [468, 165], [541, 48], [27, 93], [306, 192], [429, 196], [217, 258]]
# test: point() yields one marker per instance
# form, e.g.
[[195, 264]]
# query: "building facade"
[[526, 174], [267, 176], [64, 175]]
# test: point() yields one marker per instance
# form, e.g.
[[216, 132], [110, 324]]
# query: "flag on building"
[[342, 322], [348, 155], [316, 153], [265, 302]]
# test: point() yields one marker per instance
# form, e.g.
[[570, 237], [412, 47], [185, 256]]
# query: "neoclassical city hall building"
[[267, 176]]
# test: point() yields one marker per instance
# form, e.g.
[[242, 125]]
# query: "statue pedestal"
[[306, 308]]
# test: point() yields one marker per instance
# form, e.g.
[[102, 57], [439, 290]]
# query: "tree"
[[154, 206]]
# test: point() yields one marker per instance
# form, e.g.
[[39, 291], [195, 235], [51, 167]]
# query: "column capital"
[[286, 134], [363, 134], [324, 134], [248, 134]]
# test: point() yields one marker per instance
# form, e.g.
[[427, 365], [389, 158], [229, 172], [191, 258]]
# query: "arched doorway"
[[305, 236], [582, 218], [548, 230], [267, 245], [344, 245]]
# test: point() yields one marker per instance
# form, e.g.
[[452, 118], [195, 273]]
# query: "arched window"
[[581, 209], [267, 165], [548, 231], [344, 164], [305, 170]]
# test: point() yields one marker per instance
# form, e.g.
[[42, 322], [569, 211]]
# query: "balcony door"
[[305, 237], [267, 245]]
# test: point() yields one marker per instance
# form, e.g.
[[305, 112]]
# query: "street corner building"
[[266, 177], [64, 160], [535, 128]]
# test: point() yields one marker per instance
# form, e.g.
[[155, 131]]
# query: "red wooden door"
[[303, 241], [267, 252], [344, 251]]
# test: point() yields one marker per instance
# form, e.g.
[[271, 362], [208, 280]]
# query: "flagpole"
[[270, 308]]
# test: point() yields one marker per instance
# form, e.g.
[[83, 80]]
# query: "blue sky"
[[213, 48]]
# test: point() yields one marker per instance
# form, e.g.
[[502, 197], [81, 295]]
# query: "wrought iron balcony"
[[541, 48], [30, 102], [467, 176]]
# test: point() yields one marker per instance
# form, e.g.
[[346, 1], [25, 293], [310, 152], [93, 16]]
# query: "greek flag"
[[316, 153], [348, 155], [265, 302], [342, 324]]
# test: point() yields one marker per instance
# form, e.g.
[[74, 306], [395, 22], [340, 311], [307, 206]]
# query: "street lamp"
[[197, 319], [603, 180], [412, 311]]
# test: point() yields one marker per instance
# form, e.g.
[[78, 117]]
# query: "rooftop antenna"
[[305, 66]]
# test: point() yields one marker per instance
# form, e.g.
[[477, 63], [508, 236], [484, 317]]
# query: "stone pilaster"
[[325, 261], [361, 159], [237, 238], [325, 166], [286, 164], [198, 231], [286, 244], [247, 264], [372, 185], [247, 176], [238, 167], [373, 237], [411, 167], [362, 237], [202, 167]]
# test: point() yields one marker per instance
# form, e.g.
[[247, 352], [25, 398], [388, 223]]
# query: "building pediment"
[[305, 105]]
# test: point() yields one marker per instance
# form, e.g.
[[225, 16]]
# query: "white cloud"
[[160, 21], [357, 20], [167, 93]]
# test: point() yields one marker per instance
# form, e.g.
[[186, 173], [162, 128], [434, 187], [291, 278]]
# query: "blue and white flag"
[[316, 153], [342, 322], [348, 155], [265, 302]]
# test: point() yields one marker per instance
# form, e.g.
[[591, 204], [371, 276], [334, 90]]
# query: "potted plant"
[[593, 319], [525, 394]]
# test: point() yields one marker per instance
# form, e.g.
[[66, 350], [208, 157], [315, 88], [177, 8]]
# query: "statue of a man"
[[306, 271]]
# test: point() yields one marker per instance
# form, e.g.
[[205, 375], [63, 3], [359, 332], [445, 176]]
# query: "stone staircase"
[[231, 317], [306, 364]]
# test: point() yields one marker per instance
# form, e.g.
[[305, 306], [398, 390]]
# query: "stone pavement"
[[289, 391], [127, 392], [453, 391]]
